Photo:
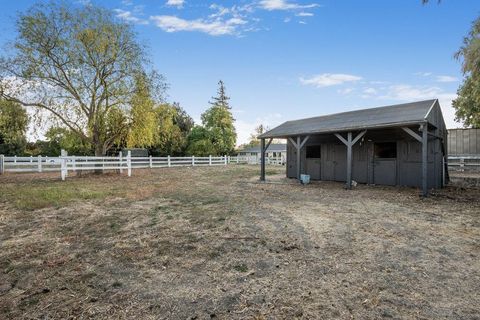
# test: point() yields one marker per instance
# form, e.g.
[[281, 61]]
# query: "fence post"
[[74, 164], [39, 163], [237, 158], [225, 159], [210, 160], [462, 164], [2, 164], [168, 162], [193, 160], [63, 164], [120, 160], [31, 159], [15, 159], [129, 163], [150, 161]]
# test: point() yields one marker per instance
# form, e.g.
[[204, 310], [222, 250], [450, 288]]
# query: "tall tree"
[[200, 142], [467, 104], [143, 116], [221, 99], [219, 122], [77, 63], [254, 141], [13, 127]]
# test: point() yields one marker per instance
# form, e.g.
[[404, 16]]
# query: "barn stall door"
[[340, 160], [313, 162], [328, 162], [385, 163]]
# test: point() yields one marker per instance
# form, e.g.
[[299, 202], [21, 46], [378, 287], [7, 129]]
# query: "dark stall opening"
[[385, 150]]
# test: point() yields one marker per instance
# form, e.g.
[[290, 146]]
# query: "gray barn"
[[402, 144]]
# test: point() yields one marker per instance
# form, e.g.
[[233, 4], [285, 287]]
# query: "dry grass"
[[210, 242]]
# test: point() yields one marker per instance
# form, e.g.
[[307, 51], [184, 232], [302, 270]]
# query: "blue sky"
[[289, 59]]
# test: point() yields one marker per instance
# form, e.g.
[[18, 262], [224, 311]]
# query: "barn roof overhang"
[[402, 115]]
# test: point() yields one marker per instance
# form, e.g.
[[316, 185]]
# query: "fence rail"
[[65, 164], [464, 163]]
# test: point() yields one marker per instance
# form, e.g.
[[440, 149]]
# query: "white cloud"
[[212, 27], [245, 128], [446, 79], [407, 93], [423, 74], [329, 79], [175, 3], [271, 5], [304, 14], [369, 91], [129, 17], [345, 91]]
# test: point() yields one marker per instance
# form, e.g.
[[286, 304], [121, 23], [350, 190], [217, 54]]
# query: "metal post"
[[193, 160], [169, 162], [2, 164], [150, 161], [129, 163], [262, 159], [210, 160], [349, 161], [424, 160], [39, 163]]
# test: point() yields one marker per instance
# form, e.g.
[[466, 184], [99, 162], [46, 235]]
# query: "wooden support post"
[[349, 142], [262, 159], [193, 161], [210, 160], [225, 159], [39, 163], [2, 164], [31, 159], [150, 162], [349, 160], [425, 159], [129, 163], [169, 163], [298, 157]]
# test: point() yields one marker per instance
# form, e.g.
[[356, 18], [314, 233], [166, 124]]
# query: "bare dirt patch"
[[210, 243]]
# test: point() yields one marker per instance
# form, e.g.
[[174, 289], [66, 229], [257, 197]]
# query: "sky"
[[288, 59]]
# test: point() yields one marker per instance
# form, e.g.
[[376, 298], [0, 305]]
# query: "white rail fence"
[[464, 163], [65, 164]]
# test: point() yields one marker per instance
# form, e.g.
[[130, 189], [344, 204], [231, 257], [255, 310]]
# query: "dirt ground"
[[208, 243]]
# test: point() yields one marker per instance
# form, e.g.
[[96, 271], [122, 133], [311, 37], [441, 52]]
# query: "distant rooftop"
[[274, 147]]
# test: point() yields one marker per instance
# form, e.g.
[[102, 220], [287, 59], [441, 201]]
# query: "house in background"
[[274, 150], [402, 145]]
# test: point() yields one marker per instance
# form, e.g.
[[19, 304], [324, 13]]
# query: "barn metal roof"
[[273, 147], [380, 117]]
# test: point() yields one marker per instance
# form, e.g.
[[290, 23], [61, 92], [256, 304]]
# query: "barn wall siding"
[[408, 165], [463, 142]]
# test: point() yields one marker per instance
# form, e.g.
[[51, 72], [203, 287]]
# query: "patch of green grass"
[[240, 267], [54, 194]]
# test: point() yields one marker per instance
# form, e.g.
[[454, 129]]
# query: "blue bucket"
[[305, 178]]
